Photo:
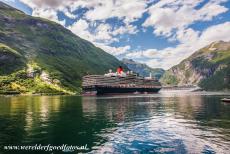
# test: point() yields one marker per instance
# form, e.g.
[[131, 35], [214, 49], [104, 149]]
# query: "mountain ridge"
[[143, 69]]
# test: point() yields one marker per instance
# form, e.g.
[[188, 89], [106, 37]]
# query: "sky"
[[159, 33]]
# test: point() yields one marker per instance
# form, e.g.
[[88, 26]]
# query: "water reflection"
[[160, 123], [165, 124]]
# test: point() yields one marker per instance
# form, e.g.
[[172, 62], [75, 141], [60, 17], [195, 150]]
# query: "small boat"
[[227, 100]]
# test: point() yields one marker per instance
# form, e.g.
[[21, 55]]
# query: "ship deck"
[[99, 84]]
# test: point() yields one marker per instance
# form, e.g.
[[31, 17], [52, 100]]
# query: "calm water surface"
[[161, 123]]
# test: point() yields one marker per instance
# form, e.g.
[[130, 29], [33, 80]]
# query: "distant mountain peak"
[[130, 61], [143, 69]]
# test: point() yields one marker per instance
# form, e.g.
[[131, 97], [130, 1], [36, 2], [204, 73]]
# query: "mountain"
[[143, 69], [41, 56], [208, 67]]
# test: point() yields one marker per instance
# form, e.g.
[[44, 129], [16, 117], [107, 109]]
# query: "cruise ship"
[[118, 83]]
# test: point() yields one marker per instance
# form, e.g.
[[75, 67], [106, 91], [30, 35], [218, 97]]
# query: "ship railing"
[[124, 86], [93, 81], [118, 82], [106, 77], [115, 82]]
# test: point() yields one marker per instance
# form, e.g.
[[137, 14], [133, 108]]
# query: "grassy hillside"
[[54, 55], [209, 68]]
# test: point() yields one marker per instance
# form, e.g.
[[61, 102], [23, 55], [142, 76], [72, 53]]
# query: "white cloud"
[[102, 33], [114, 50], [122, 9], [69, 14], [187, 36], [130, 10], [48, 8], [98, 9], [149, 53], [80, 28], [166, 16], [42, 3], [216, 33], [130, 29], [212, 9], [45, 13]]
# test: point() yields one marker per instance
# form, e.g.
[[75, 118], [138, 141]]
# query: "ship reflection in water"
[[160, 123]]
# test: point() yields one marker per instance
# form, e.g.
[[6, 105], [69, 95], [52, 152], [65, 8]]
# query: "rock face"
[[143, 69], [50, 47], [208, 67]]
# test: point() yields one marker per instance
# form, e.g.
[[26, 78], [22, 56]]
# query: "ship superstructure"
[[119, 83]]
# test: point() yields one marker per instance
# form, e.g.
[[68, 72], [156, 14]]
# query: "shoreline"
[[160, 92], [37, 94]]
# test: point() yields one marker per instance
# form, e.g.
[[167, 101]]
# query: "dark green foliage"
[[217, 81], [169, 79], [201, 63]]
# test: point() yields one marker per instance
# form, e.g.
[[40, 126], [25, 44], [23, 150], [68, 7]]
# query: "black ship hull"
[[101, 90]]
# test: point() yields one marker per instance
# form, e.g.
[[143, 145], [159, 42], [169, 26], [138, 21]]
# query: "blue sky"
[[159, 33]]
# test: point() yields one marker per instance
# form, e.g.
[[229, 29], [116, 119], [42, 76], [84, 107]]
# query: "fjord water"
[[159, 123]]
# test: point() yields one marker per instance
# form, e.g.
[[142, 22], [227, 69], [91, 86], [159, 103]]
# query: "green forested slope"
[[45, 55]]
